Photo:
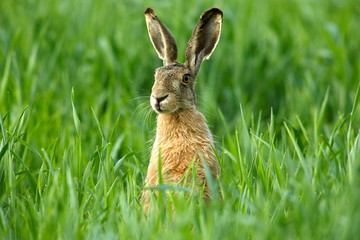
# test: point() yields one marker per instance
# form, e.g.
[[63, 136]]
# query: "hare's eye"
[[186, 78]]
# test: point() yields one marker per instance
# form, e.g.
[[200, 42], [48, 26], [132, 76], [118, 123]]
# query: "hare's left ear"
[[204, 39], [161, 38]]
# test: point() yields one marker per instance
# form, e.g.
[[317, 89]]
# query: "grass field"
[[280, 94]]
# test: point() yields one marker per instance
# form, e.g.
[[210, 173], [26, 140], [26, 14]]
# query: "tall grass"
[[280, 93]]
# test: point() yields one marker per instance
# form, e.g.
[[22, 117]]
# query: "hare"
[[182, 133]]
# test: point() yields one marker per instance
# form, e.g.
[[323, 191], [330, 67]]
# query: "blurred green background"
[[75, 78]]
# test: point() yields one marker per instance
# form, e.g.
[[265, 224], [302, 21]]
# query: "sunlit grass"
[[280, 93]]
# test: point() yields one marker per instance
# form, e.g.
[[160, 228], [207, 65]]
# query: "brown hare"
[[182, 133]]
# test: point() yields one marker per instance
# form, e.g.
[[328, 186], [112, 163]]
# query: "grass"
[[280, 93]]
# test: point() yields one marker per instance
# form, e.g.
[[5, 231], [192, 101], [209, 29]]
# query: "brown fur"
[[182, 133]]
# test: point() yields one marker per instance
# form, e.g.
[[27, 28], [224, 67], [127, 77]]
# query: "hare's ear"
[[162, 39], [203, 39]]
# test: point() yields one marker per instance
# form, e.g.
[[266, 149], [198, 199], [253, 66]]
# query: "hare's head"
[[173, 89]]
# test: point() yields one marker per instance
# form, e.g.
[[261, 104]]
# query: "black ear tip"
[[212, 11], [216, 10], [150, 11]]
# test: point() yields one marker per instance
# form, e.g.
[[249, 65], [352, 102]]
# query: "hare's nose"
[[160, 99]]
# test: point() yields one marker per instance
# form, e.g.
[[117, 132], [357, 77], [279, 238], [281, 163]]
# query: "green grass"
[[280, 93]]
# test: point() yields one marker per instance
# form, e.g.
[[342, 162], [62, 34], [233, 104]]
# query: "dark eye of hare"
[[186, 78]]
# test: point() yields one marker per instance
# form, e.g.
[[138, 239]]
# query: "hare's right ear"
[[162, 39], [203, 39]]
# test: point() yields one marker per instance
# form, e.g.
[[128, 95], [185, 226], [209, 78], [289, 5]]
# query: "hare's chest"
[[176, 157], [179, 152], [173, 151]]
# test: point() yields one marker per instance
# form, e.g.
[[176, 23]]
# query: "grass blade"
[[75, 115], [30, 177], [299, 154], [103, 136], [2, 127]]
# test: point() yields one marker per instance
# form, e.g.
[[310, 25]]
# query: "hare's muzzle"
[[157, 102]]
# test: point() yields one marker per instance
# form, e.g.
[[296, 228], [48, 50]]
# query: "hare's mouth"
[[163, 108], [158, 109]]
